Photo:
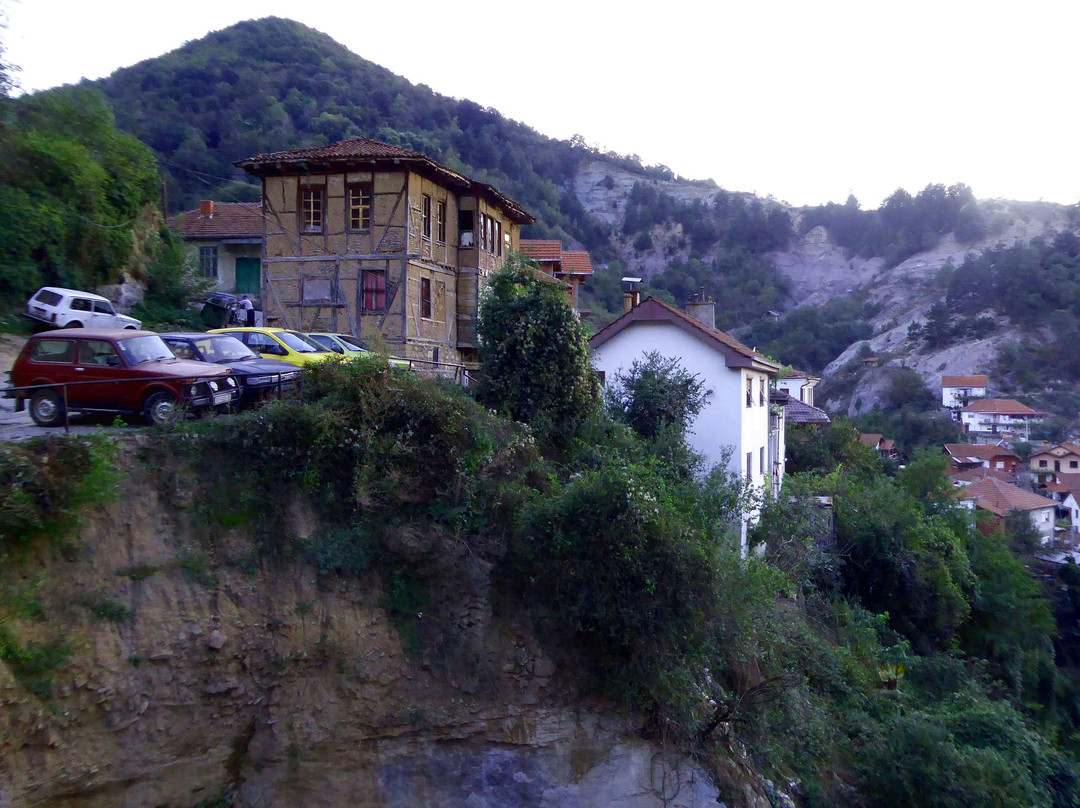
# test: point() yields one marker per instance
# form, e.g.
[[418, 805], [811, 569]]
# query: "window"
[[81, 304], [208, 261], [425, 216], [483, 232], [360, 196], [1000, 464], [425, 298], [466, 228], [749, 392], [53, 350], [761, 392], [95, 352], [1072, 464], [749, 464], [1042, 464], [103, 307], [435, 355], [311, 210], [761, 459], [440, 221], [489, 232], [373, 290], [498, 237]]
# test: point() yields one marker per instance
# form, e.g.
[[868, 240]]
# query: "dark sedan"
[[260, 379]]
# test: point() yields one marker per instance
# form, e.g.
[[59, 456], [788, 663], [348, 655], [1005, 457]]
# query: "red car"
[[128, 372]]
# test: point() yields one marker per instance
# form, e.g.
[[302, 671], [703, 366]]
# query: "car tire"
[[161, 408], [46, 408], [74, 324]]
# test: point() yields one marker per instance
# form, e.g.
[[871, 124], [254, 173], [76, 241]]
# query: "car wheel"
[[74, 324], [46, 408], [161, 408]]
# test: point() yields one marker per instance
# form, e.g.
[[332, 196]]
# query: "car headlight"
[[193, 391], [260, 380], [213, 385], [229, 380]]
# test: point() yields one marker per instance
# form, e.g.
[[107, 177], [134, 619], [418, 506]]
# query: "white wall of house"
[[959, 396], [1043, 519], [725, 422], [992, 423], [799, 388], [1069, 501]]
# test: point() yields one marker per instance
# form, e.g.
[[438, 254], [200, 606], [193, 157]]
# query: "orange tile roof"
[[964, 381], [540, 249], [576, 263], [991, 494], [981, 473], [229, 220], [652, 310], [870, 439], [1069, 483], [1001, 406]]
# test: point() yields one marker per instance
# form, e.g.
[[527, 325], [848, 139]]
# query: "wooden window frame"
[[373, 290], [498, 238], [425, 299], [208, 262], [750, 391], [361, 204], [425, 216], [440, 221], [312, 206]]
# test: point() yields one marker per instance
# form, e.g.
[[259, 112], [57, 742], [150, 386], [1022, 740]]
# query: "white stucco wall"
[[725, 421]]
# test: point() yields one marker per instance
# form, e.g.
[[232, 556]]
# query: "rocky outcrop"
[[210, 672]]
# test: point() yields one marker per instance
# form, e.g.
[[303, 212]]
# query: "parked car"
[[259, 378], [350, 346], [279, 343], [68, 308], [109, 370]]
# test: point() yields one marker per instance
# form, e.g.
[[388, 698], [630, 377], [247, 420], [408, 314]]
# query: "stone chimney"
[[702, 309], [206, 208]]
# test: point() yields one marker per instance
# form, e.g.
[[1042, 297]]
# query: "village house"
[[999, 418], [570, 266], [885, 447], [228, 236], [799, 385], [966, 456], [1064, 458], [1000, 499], [958, 391], [372, 239], [739, 425], [1064, 489]]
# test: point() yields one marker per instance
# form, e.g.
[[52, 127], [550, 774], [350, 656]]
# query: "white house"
[[738, 419], [957, 391], [1001, 499], [999, 418], [799, 385]]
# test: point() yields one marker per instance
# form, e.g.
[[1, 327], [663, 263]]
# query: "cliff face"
[[196, 671]]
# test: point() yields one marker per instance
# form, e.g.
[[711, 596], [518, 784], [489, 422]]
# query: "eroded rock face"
[[254, 680]]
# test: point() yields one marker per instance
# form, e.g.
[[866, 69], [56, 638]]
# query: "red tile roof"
[[540, 250], [654, 310], [229, 220], [1069, 483], [871, 439], [991, 494], [1059, 451], [575, 263], [365, 153], [981, 473], [1001, 406], [964, 381]]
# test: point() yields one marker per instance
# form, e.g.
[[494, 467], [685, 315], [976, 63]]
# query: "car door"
[[104, 314], [53, 361], [80, 310], [99, 368]]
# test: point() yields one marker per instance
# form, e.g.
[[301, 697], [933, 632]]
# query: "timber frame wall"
[[313, 281]]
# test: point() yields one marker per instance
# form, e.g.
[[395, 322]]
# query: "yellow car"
[[279, 343]]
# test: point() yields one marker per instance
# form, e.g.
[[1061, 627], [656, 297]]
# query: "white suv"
[[67, 308]]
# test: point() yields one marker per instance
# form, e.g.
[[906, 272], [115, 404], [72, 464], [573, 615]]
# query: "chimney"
[[631, 296], [206, 208], [703, 310]]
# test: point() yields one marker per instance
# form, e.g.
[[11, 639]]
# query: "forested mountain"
[[274, 84]]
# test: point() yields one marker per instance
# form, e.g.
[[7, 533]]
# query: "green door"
[[248, 276]]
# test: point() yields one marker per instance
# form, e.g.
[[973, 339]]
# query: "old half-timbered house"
[[367, 238]]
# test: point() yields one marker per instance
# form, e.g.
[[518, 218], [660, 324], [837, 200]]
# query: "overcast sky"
[[804, 101]]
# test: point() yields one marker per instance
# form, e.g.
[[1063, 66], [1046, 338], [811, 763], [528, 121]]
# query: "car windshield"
[[351, 343], [223, 349], [298, 342], [137, 350]]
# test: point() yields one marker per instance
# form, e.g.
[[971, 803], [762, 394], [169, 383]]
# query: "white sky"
[[806, 101]]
